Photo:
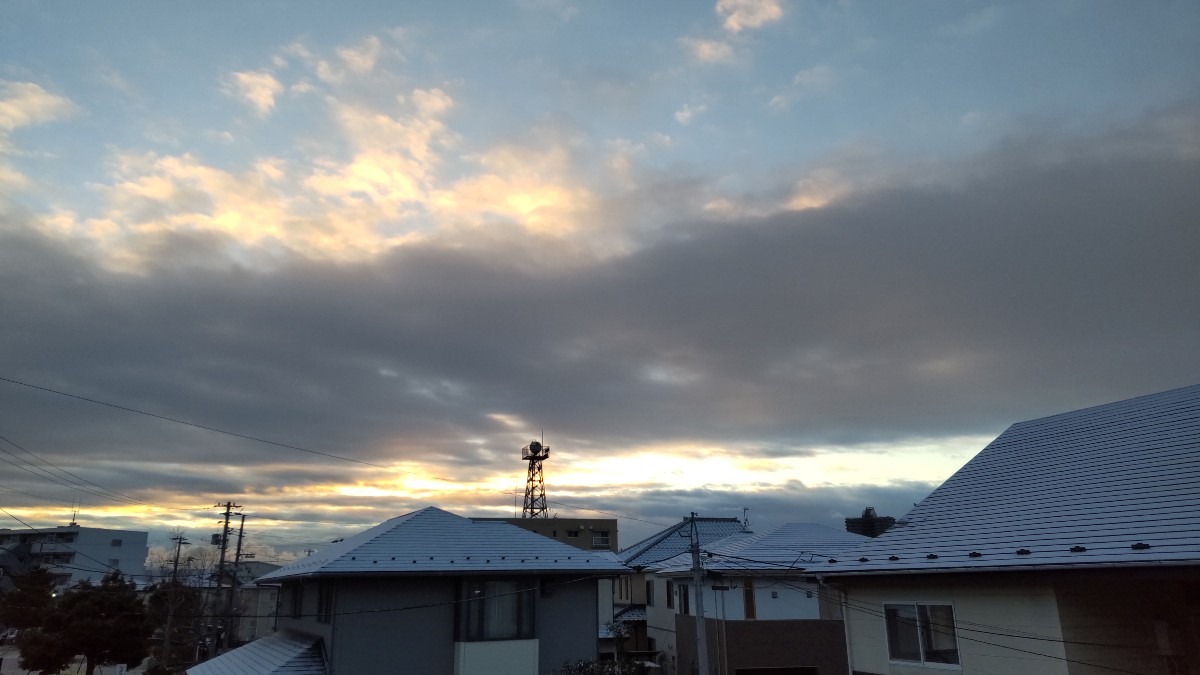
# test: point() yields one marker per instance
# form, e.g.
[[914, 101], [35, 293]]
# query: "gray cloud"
[[1047, 275]]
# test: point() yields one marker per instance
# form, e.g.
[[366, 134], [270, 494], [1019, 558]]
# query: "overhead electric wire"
[[61, 470], [59, 543], [200, 426], [960, 625], [47, 476], [279, 444], [28, 494]]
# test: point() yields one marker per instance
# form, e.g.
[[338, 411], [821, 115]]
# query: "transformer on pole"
[[535, 485]]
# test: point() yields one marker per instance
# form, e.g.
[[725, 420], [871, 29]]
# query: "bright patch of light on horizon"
[[695, 466]]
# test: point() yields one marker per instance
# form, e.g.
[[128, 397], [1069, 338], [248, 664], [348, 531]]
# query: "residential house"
[[1070, 545], [433, 592], [73, 553], [638, 593], [254, 606], [762, 609]]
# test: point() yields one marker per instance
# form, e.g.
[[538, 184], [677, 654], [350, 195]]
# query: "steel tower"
[[535, 485]]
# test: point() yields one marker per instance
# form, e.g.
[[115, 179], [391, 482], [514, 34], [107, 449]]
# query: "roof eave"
[[823, 574]]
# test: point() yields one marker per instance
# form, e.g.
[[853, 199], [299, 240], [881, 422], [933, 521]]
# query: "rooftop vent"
[[1023, 551], [1078, 549], [833, 560], [893, 558], [975, 554], [1140, 546], [864, 560], [931, 556]]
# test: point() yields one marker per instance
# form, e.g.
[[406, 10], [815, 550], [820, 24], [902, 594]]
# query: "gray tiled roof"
[[789, 547], [432, 541], [674, 540], [277, 654], [1117, 484]]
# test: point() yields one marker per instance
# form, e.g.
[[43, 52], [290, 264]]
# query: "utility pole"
[[171, 601], [698, 583], [237, 560], [224, 541]]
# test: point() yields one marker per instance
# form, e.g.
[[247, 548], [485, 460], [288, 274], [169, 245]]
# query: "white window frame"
[[921, 633]]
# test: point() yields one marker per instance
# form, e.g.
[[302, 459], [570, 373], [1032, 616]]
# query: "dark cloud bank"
[[1046, 277]]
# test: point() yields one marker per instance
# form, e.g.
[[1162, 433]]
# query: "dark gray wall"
[[402, 626], [408, 638], [567, 623], [308, 621]]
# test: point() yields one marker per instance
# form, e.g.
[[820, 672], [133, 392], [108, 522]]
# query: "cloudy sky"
[[795, 257]]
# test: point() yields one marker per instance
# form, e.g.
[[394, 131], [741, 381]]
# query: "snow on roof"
[[276, 654], [790, 547], [674, 540], [631, 613], [1116, 484], [433, 541]]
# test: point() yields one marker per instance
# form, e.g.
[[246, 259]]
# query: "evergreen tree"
[[107, 624], [28, 602]]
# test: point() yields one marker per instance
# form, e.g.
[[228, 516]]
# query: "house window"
[[649, 592], [297, 601], [496, 609], [325, 602], [923, 633], [670, 594], [600, 539], [748, 598], [114, 564], [116, 542], [571, 534], [684, 601]]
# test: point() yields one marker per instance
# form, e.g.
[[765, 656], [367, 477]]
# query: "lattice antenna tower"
[[535, 486]]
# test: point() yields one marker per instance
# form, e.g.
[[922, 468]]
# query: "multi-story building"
[[587, 534], [73, 553]]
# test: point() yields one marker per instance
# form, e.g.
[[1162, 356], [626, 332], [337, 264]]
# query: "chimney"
[[869, 525]]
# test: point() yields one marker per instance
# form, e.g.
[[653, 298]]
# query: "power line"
[[100, 491], [279, 444], [203, 426], [959, 624], [64, 545]]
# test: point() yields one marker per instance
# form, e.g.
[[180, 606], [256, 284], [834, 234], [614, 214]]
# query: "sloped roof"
[[631, 613], [674, 540], [1117, 484], [276, 654], [790, 547], [432, 541]]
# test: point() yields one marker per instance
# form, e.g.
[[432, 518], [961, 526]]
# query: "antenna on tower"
[[535, 484]]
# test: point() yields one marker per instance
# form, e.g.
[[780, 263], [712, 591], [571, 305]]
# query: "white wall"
[[998, 624], [786, 599]]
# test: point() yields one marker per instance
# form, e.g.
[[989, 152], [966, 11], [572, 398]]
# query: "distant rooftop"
[[278, 653], [1116, 484], [674, 540], [790, 547], [432, 541]]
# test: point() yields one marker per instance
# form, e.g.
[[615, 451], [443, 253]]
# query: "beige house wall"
[[1142, 621], [1001, 627]]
